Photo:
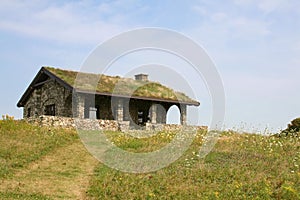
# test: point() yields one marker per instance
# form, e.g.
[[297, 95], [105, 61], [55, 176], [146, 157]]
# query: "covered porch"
[[136, 111]]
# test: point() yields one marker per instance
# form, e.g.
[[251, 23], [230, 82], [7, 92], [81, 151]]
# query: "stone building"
[[66, 93]]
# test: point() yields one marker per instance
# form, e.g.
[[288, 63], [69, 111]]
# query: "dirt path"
[[62, 174]]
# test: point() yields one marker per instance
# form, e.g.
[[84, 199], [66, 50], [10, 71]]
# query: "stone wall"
[[47, 94], [68, 122], [99, 124]]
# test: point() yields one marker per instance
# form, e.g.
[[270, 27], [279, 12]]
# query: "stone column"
[[153, 111], [92, 113], [119, 112], [80, 106], [183, 114], [161, 114], [126, 112]]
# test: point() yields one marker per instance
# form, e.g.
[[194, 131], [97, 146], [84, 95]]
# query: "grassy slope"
[[240, 167], [41, 163], [22, 147], [22, 143]]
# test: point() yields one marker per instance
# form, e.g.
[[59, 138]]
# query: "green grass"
[[241, 166], [132, 144], [22, 143], [22, 196]]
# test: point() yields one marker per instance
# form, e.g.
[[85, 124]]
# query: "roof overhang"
[[137, 97]]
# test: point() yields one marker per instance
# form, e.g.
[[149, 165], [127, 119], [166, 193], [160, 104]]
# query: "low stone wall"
[[66, 122], [43, 120], [99, 124]]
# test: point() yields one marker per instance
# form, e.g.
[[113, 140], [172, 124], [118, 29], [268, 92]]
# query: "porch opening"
[[173, 115]]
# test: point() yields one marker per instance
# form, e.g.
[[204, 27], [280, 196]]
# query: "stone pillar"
[[119, 112], [126, 112], [80, 103], [183, 114], [153, 111], [93, 113], [161, 114]]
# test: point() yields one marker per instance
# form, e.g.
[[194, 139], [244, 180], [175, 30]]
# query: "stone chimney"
[[141, 77]]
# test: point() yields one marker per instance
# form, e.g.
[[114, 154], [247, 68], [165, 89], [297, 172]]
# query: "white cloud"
[[199, 9], [219, 17], [228, 21], [248, 27], [268, 6], [70, 22]]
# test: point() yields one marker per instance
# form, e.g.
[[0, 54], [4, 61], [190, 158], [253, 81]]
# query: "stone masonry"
[[50, 93], [87, 124]]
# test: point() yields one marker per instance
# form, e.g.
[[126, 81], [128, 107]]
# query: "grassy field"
[[48, 163]]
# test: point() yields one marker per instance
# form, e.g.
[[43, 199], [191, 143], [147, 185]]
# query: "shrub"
[[293, 128]]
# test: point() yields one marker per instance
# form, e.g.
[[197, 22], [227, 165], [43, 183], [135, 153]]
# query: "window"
[[28, 112], [140, 117], [50, 110]]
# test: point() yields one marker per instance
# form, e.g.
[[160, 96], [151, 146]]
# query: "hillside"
[[47, 163]]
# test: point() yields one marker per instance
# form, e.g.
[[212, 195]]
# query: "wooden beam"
[[42, 83]]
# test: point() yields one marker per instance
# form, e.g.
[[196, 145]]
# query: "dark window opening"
[[28, 112], [140, 117], [50, 110], [98, 111]]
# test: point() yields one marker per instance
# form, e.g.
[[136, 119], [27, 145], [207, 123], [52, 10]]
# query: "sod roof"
[[108, 85], [119, 86]]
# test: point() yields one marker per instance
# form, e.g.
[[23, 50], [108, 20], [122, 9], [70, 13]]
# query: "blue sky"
[[255, 45]]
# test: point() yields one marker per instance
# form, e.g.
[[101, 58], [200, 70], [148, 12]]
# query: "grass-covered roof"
[[119, 86]]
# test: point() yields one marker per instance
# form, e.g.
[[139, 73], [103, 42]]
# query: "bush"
[[293, 128]]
